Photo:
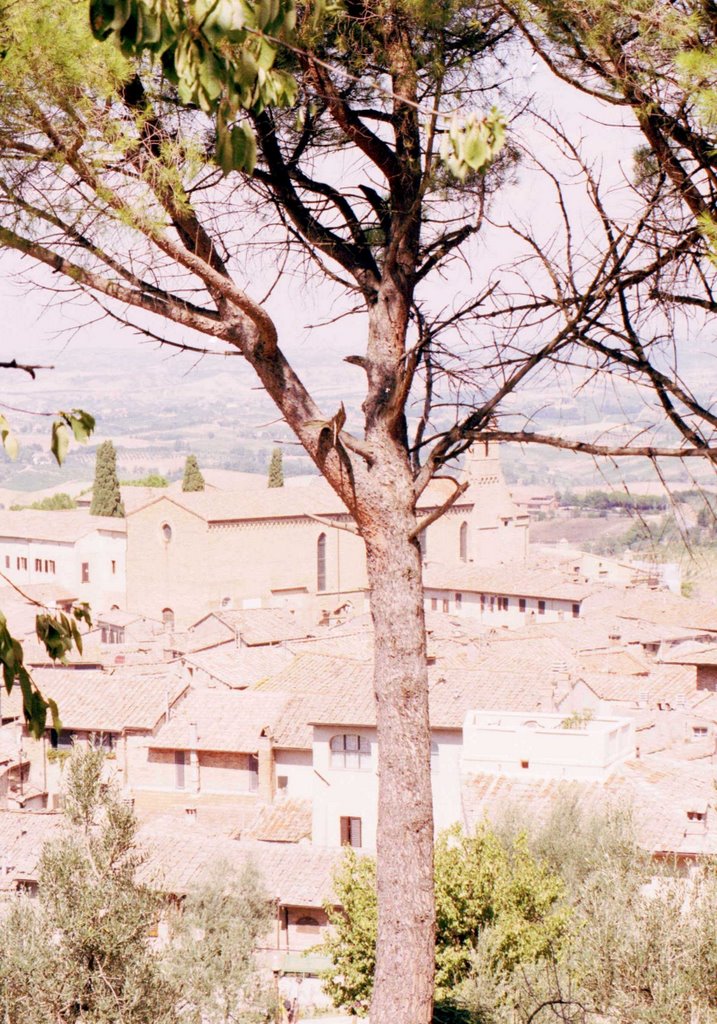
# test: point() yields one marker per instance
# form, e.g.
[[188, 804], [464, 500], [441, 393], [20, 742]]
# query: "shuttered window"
[[351, 832]]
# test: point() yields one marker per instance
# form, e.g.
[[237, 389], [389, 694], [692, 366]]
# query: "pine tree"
[[106, 497], [193, 479], [276, 469]]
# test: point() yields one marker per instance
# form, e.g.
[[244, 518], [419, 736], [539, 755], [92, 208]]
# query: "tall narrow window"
[[253, 773], [168, 618], [423, 545], [179, 763], [321, 562], [463, 542], [541, 607], [85, 572], [351, 832]]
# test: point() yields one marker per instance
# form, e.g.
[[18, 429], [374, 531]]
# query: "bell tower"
[[498, 529]]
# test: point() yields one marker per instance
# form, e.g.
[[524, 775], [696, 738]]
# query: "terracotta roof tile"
[[660, 792], [22, 836], [296, 874], [657, 607], [239, 667], [226, 720], [505, 579], [98, 701], [64, 526], [286, 821], [313, 497]]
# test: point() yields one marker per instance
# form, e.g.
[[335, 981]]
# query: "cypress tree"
[[106, 497], [193, 479], [276, 469]]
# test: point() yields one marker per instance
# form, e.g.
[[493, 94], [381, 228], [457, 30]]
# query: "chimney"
[[267, 774]]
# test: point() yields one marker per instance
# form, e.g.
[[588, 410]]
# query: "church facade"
[[189, 554]]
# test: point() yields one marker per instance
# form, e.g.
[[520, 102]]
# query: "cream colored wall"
[[154, 770], [491, 539], [224, 773], [470, 606], [61, 552], [263, 559], [506, 541], [105, 588], [98, 548], [536, 744], [297, 767], [253, 562], [172, 574], [447, 747], [342, 792]]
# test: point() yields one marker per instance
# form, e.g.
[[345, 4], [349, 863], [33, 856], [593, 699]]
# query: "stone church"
[[191, 553]]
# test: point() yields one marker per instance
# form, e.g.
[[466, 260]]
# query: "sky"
[[41, 325]]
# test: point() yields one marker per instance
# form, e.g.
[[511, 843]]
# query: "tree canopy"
[[481, 884], [186, 174], [276, 469], [82, 950], [193, 479], [106, 497]]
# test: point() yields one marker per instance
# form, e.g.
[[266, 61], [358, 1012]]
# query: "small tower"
[[499, 530], [482, 465]]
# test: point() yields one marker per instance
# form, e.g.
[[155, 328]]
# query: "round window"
[[166, 532]]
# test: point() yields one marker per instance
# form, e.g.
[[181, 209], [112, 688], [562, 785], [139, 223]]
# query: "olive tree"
[[81, 951]]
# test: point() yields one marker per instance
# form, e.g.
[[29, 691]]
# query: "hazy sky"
[[42, 326]]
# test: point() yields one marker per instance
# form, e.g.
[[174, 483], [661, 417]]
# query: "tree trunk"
[[403, 985]]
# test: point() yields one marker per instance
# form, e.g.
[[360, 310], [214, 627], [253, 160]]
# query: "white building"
[[81, 553], [545, 745], [511, 596]]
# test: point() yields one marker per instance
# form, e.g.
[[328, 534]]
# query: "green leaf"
[[60, 441], [236, 148], [54, 711], [81, 611], [8, 438], [82, 424]]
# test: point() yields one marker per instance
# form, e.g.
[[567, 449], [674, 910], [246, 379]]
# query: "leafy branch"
[[58, 632], [77, 423]]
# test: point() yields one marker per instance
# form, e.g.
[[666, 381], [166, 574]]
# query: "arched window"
[[166, 532], [321, 562], [348, 750], [168, 618], [463, 542]]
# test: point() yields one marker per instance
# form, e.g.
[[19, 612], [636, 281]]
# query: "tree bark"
[[403, 986]]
